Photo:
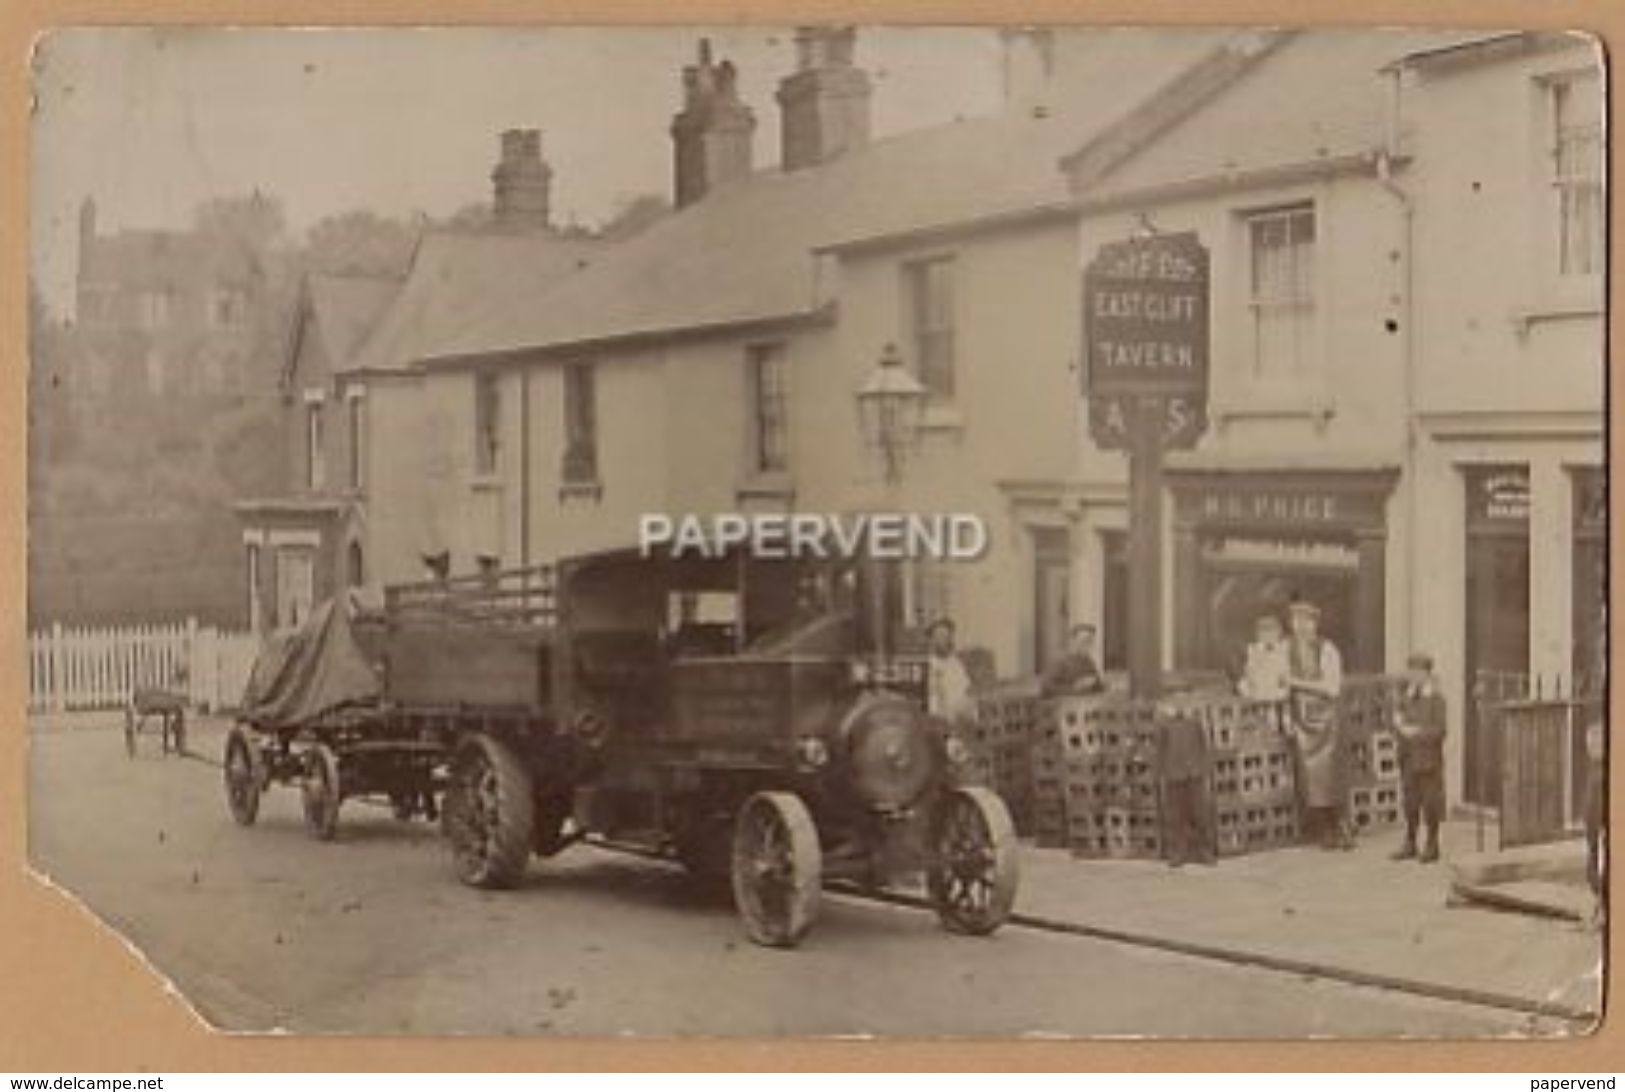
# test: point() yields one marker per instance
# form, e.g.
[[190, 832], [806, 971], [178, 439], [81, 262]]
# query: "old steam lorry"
[[752, 718]]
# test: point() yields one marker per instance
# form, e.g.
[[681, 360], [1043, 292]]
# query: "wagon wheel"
[[489, 814], [323, 791], [244, 778], [975, 869], [777, 868], [129, 731]]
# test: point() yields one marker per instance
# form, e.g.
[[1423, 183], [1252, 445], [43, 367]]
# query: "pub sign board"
[[1146, 335]]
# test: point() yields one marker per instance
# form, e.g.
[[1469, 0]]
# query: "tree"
[[633, 216], [360, 243], [256, 220]]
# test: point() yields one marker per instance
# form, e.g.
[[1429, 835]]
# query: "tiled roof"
[[346, 308], [452, 275], [744, 253], [1320, 96]]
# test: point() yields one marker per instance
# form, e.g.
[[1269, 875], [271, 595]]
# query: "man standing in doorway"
[[1076, 672], [1314, 681], [1419, 719]]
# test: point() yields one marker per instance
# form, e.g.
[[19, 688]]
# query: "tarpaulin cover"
[[315, 670]]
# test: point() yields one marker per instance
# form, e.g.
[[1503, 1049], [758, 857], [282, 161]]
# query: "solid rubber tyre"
[[490, 814], [976, 861], [777, 869], [323, 792], [243, 777]]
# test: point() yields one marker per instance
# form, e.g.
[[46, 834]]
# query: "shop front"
[[1246, 543]]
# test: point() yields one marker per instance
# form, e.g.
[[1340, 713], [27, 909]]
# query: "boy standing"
[[1420, 721], [1264, 675], [1186, 769]]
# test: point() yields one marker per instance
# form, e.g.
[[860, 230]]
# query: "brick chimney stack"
[[712, 135], [521, 182], [825, 101]]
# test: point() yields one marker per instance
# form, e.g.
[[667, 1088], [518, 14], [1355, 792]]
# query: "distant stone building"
[[169, 313], [165, 382]]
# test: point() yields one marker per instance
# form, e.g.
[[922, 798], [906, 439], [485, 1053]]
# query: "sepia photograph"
[[825, 531]]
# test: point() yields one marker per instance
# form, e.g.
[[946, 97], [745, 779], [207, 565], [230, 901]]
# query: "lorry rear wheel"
[[777, 868], [490, 814]]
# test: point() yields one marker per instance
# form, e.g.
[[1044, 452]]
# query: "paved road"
[[264, 928]]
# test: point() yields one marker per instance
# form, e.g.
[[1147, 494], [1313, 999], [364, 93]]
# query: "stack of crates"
[[1368, 707], [1049, 826], [1109, 749], [1255, 802], [1007, 719]]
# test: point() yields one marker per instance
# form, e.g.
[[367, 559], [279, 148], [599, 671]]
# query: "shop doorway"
[[1497, 623], [1052, 580], [1246, 578]]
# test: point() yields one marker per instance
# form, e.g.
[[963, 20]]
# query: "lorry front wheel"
[[489, 813]]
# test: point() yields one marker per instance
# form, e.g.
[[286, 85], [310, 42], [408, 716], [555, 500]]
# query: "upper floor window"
[[315, 465], [580, 425], [98, 303], [767, 384], [487, 422], [356, 408], [1281, 290], [928, 288], [228, 308], [1577, 178], [155, 309]]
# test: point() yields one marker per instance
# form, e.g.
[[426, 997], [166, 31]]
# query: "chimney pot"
[[712, 135], [825, 102], [521, 182]]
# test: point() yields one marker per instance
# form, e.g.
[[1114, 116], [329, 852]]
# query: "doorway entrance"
[[1052, 579], [1497, 623]]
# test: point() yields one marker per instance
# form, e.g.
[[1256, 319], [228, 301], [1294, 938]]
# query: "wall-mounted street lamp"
[[890, 404]]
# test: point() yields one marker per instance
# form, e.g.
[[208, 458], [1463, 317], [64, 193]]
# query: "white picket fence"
[[95, 667]]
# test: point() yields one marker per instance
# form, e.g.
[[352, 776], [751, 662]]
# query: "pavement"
[[265, 928], [1352, 911]]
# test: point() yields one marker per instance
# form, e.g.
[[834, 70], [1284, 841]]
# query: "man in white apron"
[[1314, 681]]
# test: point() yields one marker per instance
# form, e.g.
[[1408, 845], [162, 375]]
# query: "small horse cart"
[[169, 709]]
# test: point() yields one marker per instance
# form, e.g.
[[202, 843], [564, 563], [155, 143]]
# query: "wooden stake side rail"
[[512, 596]]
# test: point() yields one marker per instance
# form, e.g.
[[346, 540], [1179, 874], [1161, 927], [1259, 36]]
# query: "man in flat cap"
[[1314, 681], [1075, 672], [1419, 720]]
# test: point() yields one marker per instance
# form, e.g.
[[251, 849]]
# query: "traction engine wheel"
[[976, 863], [322, 791], [490, 813], [243, 776], [777, 868]]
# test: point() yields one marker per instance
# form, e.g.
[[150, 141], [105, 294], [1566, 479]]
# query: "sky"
[[152, 121]]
